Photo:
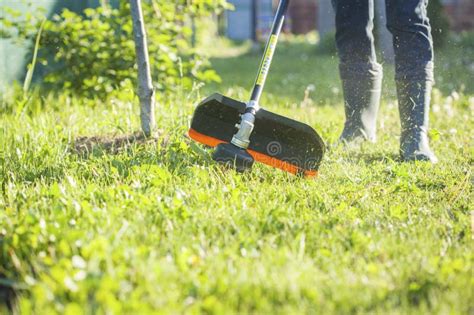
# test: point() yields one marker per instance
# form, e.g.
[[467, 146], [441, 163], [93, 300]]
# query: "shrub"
[[439, 23], [93, 53], [465, 40], [327, 44]]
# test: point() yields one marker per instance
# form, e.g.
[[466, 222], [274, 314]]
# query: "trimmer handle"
[[269, 51], [242, 138]]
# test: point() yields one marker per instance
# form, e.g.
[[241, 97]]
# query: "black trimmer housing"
[[276, 140], [243, 132]]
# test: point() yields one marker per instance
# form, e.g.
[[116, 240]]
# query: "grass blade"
[[31, 66]]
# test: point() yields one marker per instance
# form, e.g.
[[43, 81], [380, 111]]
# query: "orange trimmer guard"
[[276, 140]]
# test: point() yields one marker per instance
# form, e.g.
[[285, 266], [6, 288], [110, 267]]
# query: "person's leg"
[[361, 75], [407, 20]]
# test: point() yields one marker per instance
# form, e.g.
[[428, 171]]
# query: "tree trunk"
[[146, 92]]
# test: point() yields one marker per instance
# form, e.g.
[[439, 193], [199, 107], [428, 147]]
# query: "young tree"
[[146, 91]]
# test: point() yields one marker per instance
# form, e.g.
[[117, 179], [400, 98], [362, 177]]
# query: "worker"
[[361, 74]]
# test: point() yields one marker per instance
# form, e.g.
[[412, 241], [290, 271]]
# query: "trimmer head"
[[276, 140], [233, 156]]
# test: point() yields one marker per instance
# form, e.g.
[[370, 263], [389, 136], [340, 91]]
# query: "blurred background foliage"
[[439, 23], [92, 53]]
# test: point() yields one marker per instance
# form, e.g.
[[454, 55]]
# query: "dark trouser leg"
[[361, 75], [410, 27]]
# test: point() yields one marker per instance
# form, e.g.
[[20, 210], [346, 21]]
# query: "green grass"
[[159, 228]]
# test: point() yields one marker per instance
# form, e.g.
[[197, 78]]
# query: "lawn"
[[156, 227]]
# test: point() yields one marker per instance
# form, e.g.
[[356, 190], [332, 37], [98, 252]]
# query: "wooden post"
[[385, 40], [146, 92], [326, 18], [254, 21]]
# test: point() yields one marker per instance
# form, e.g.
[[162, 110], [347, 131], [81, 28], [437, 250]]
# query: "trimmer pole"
[[241, 138], [261, 135]]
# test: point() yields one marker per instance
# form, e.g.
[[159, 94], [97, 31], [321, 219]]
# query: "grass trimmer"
[[243, 132]]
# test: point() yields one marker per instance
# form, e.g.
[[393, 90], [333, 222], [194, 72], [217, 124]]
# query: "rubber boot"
[[362, 99], [414, 106]]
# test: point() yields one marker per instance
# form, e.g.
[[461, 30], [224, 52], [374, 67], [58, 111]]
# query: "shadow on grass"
[[113, 144]]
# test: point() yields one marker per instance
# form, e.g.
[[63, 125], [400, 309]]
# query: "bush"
[[93, 53], [465, 40], [327, 44], [439, 23]]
